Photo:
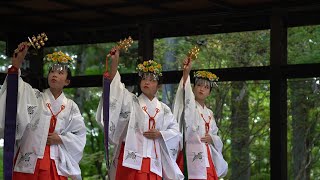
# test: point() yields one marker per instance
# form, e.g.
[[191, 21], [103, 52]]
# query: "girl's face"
[[57, 78], [149, 86], [201, 90]]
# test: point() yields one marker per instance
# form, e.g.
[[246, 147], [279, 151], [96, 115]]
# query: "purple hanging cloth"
[[106, 101], [10, 123]]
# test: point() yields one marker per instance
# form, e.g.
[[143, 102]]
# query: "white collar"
[[147, 100], [151, 105], [52, 99], [55, 103], [204, 110]]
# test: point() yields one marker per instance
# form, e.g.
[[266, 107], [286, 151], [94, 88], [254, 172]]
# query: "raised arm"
[[184, 90], [187, 65], [18, 58], [114, 62]]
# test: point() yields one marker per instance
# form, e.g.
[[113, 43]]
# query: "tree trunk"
[[301, 153], [80, 94], [240, 161]]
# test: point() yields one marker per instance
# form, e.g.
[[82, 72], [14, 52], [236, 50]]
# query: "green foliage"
[[304, 45], [217, 51]]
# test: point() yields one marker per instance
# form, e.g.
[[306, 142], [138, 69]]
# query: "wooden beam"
[[278, 96], [301, 70]]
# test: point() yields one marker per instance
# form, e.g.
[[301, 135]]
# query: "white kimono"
[[128, 121], [33, 121], [197, 155]]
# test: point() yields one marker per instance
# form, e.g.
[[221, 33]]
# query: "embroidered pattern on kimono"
[[112, 128], [174, 152], [135, 99], [38, 94], [24, 159], [33, 126], [31, 109], [113, 105], [131, 155], [124, 114], [197, 156]]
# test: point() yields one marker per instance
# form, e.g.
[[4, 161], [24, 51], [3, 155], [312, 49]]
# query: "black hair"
[[69, 75], [160, 80]]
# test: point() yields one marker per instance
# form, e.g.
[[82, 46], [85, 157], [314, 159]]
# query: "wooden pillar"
[[278, 96], [145, 42], [145, 45]]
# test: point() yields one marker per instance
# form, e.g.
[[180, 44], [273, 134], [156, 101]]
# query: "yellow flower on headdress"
[[58, 57], [150, 66], [206, 75], [140, 66], [64, 60]]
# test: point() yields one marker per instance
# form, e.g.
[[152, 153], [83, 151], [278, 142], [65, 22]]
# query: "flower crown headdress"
[[206, 75], [149, 67], [58, 58]]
